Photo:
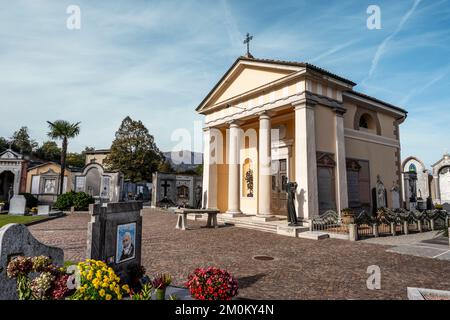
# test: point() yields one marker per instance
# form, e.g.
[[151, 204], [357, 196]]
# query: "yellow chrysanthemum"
[[126, 288], [108, 297], [101, 293]]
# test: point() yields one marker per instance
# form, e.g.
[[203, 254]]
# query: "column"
[[264, 170], [341, 164], [305, 161], [233, 170], [209, 192]]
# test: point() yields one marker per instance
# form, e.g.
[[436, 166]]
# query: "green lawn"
[[5, 219]]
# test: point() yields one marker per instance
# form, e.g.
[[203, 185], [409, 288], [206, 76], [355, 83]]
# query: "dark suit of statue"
[[292, 214]]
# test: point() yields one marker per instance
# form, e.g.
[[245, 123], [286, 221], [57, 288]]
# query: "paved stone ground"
[[403, 239], [302, 269]]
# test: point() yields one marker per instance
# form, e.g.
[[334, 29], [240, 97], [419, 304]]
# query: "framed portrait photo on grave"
[[126, 242]]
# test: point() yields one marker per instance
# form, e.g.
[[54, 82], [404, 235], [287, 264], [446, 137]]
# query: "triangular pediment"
[[244, 76], [10, 155]]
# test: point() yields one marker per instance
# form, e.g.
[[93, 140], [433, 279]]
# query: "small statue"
[[291, 188]]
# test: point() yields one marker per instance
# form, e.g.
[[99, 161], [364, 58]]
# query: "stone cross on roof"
[[247, 40]]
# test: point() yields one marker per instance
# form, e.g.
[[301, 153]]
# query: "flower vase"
[[160, 294]]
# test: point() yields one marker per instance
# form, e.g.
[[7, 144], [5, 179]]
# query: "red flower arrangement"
[[212, 284], [59, 289]]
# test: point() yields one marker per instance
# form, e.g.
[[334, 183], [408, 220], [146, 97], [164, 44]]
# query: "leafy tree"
[[63, 130], [165, 167], [78, 160], [22, 141], [199, 169], [49, 151], [134, 152], [3, 144]]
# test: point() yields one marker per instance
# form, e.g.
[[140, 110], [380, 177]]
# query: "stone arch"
[[93, 181], [370, 117], [405, 162]]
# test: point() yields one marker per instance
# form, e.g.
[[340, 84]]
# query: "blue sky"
[[156, 60]]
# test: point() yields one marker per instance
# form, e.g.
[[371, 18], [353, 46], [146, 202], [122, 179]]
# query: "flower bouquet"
[[98, 282], [160, 283], [212, 284]]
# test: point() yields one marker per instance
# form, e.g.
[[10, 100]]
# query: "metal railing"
[[329, 222]]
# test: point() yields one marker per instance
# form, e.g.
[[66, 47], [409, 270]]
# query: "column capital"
[[303, 103], [265, 114], [340, 111], [234, 123]]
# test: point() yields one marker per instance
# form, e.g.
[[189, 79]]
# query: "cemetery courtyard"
[[301, 269]]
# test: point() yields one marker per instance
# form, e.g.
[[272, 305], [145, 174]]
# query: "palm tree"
[[63, 130]]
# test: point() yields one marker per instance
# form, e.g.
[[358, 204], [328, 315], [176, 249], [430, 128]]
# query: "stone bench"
[[182, 217]]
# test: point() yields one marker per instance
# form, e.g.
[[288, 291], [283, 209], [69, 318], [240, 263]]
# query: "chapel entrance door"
[[279, 194], [6, 185]]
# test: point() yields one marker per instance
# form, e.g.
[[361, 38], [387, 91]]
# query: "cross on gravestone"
[[247, 40], [165, 185]]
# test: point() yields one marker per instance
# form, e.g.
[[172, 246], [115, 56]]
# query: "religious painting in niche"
[[50, 186], [183, 192], [248, 179], [126, 242]]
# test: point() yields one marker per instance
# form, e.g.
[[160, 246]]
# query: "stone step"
[[251, 225], [313, 235]]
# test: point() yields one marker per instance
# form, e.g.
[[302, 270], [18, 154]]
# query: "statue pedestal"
[[291, 231]]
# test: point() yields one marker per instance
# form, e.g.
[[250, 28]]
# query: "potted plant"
[[348, 216], [212, 284], [160, 283]]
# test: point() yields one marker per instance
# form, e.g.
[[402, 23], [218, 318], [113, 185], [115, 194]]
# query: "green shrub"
[[82, 201], [31, 201], [65, 201], [79, 200]]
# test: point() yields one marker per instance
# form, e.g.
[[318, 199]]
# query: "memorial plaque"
[[353, 189], [80, 184]]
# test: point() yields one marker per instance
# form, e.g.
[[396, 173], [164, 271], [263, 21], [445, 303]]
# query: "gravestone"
[[17, 205], [115, 236], [16, 240], [395, 196], [43, 210]]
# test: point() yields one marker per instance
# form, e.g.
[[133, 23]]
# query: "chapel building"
[[270, 122]]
